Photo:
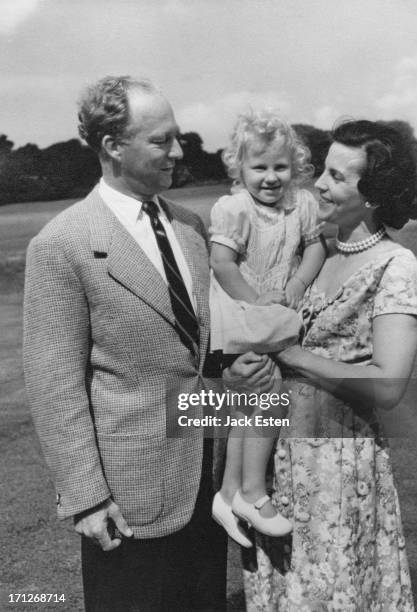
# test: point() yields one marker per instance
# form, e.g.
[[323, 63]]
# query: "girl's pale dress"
[[333, 475], [268, 242]]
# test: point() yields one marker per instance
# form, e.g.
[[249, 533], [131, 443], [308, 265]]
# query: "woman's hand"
[[251, 373]]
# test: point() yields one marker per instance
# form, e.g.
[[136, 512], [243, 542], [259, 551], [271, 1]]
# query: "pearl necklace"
[[360, 245]]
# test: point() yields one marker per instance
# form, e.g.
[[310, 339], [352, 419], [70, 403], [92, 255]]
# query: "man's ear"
[[111, 147]]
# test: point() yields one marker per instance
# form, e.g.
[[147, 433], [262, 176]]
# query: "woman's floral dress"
[[333, 475]]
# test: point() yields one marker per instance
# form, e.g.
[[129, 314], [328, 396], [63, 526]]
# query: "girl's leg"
[[232, 480], [257, 447], [252, 502], [256, 453], [232, 477]]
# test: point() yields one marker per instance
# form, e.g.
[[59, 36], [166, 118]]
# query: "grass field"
[[39, 554]]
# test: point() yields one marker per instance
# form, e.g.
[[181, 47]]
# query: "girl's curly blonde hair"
[[265, 126]]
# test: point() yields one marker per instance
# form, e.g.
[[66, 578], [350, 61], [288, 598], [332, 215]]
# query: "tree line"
[[70, 169]]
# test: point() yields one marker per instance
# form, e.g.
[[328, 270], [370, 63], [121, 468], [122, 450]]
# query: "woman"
[[333, 477]]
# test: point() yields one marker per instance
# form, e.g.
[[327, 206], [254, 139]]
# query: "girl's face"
[[340, 200], [266, 171]]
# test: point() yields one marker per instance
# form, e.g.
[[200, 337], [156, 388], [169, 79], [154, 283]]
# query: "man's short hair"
[[103, 108]]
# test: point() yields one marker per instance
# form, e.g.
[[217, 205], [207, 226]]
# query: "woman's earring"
[[368, 205]]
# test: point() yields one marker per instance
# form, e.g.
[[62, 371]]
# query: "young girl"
[[258, 276]]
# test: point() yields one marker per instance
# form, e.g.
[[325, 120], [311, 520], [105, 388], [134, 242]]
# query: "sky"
[[314, 60]]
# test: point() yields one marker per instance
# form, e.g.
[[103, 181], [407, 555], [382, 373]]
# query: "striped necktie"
[[185, 319]]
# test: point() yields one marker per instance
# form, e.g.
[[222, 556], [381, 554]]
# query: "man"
[[116, 320]]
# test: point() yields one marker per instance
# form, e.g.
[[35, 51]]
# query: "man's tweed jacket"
[[101, 357]]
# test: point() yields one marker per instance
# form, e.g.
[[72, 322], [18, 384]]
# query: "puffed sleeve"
[[230, 222], [397, 289], [308, 211]]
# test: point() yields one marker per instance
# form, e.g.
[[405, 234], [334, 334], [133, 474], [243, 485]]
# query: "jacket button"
[[282, 453]]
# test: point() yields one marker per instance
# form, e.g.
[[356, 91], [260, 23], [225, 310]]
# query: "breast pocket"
[[133, 470]]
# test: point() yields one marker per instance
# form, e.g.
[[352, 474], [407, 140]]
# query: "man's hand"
[[98, 524], [251, 373], [272, 297]]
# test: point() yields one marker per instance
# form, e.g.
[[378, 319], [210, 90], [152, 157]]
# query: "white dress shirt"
[[129, 212]]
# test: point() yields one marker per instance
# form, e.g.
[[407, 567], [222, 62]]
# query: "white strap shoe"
[[274, 526], [223, 515]]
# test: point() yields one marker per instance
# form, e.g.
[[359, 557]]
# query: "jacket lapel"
[[129, 265], [126, 261]]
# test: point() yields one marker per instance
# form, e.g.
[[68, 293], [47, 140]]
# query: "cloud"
[[325, 117], [214, 120], [14, 12], [401, 101]]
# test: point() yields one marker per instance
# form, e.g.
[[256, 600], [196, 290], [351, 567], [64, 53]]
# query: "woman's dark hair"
[[389, 180]]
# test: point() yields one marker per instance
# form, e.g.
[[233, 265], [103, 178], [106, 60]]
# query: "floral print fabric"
[[334, 479]]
